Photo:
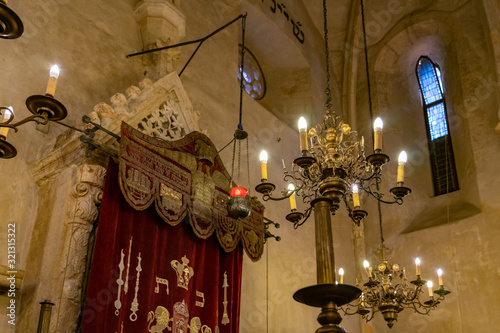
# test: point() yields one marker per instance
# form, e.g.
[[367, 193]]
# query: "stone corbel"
[[161, 24]]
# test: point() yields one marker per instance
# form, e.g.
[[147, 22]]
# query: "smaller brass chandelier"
[[44, 108], [11, 26], [389, 292]]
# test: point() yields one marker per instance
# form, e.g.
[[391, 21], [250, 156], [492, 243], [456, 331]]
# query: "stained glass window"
[[444, 172], [253, 79], [431, 87]]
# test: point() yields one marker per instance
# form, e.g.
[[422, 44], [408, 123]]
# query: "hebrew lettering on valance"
[[186, 178]]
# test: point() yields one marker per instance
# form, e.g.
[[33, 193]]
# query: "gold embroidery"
[[225, 317], [203, 188], [135, 303], [171, 199], [205, 152], [202, 295], [162, 317], [125, 288], [138, 181], [161, 281], [119, 281], [195, 326], [184, 272]]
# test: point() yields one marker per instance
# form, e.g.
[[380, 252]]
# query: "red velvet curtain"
[[148, 276]]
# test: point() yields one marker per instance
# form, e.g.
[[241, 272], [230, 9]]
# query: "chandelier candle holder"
[[11, 26], [44, 108], [388, 291]]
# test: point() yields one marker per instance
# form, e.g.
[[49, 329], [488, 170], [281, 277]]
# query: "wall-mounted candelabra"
[[11, 26], [44, 108]]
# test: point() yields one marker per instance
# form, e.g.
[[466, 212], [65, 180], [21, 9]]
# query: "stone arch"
[[397, 98]]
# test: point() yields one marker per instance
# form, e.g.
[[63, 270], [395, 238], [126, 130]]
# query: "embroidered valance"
[[186, 177]]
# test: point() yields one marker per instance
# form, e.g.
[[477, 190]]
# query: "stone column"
[[70, 187], [87, 194]]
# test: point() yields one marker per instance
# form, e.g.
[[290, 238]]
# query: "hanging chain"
[[371, 116], [248, 169], [243, 21], [328, 91], [366, 63], [239, 159], [232, 165]]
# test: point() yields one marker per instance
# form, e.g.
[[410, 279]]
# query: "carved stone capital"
[[88, 192], [160, 19]]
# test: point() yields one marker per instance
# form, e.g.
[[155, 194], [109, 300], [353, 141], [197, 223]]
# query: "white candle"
[[263, 166], [355, 196], [440, 277], [417, 265], [51, 85], [429, 286], [303, 133], [7, 113], [377, 134], [341, 273], [293, 203], [366, 265], [401, 166]]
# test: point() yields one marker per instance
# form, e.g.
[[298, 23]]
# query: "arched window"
[[444, 172]]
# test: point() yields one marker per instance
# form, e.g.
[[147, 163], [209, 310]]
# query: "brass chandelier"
[[389, 292], [333, 167]]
